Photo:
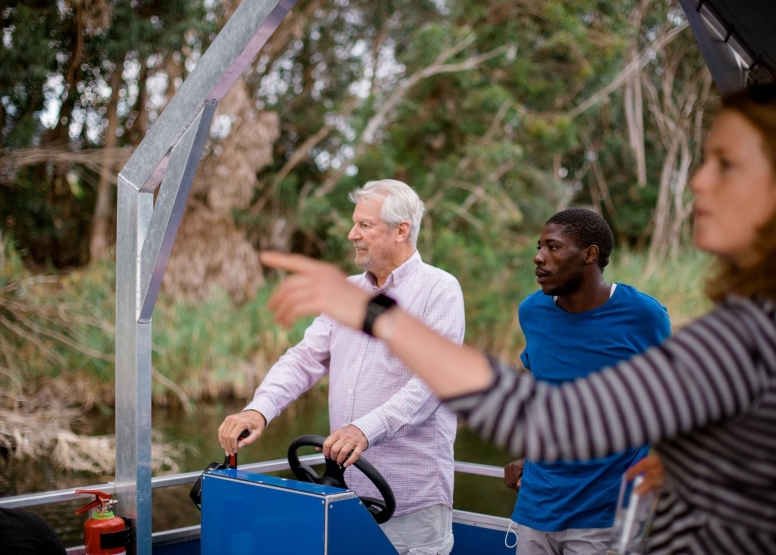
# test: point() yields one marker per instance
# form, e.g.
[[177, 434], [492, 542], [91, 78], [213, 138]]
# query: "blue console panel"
[[251, 514], [350, 524]]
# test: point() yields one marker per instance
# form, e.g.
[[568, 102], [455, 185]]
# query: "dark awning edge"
[[732, 62]]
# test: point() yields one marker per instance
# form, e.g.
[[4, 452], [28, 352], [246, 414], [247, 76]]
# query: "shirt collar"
[[395, 277]]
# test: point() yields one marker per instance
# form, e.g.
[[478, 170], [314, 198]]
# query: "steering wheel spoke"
[[309, 474], [381, 509], [373, 504]]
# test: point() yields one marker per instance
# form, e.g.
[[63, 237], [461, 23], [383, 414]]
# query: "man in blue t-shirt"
[[577, 324]]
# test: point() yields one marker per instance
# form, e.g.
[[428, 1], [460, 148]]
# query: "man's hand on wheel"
[[345, 445], [513, 474], [230, 429]]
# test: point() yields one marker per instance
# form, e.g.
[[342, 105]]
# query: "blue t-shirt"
[[563, 346]]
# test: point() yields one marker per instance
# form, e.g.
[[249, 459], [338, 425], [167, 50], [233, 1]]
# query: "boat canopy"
[[736, 38]]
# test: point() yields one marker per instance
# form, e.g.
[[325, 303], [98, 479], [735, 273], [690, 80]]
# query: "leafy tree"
[[498, 113], [73, 76]]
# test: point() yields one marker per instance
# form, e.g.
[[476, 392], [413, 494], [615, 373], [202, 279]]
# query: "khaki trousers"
[[574, 541]]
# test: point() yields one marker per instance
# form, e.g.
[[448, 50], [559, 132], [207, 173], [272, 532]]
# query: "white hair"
[[400, 204]]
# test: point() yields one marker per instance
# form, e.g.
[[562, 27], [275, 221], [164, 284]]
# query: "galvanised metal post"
[[168, 155]]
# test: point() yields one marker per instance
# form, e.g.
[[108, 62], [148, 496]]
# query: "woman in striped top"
[[705, 399]]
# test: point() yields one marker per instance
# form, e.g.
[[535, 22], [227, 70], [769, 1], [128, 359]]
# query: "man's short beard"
[[365, 262], [568, 288]]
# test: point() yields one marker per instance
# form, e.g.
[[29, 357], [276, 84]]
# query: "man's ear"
[[591, 254], [402, 231]]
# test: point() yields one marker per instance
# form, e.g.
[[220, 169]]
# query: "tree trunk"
[[681, 210], [140, 124], [98, 244], [59, 135], [595, 197], [634, 102], [634, 117], [663, 208]]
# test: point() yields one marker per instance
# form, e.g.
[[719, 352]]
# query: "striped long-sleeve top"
[[706, 400]]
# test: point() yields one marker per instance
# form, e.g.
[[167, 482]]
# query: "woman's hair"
[[758, 105], [401, 204]]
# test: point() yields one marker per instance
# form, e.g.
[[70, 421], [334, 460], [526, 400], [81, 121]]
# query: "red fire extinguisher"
[[104, 532]]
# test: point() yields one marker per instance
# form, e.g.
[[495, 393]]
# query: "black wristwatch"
[[379, 304]]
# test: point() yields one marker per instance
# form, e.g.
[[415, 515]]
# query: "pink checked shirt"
[[410, 435]]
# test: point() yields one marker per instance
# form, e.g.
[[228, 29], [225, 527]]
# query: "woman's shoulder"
[[734, 322], [762, 310], [758, 303], [759, 314]]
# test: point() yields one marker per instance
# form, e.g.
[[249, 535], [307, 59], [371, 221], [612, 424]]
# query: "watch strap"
[[377, 305]]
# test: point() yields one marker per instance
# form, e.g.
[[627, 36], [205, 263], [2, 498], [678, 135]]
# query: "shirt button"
[[350, 391]]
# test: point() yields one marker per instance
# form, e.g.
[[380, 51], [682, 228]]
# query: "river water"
[[172, 507]]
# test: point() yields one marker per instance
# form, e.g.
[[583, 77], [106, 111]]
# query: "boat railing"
[[68, 494], [177, 535]]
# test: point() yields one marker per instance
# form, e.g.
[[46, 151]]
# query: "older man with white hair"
[[376, 405]]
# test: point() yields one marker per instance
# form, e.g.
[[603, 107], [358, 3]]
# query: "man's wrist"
[[264, 418], [265, 407], [363, 434], [372, 427]]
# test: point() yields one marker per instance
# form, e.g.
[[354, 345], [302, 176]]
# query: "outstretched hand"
[[314, 287]]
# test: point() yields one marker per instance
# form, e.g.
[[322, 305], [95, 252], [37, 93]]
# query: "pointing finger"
[[290, 262]]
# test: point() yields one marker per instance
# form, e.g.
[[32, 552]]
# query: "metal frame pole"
[[168, 155]]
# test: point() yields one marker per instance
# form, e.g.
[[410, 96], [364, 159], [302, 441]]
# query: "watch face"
[[375, 308], [383, 300]]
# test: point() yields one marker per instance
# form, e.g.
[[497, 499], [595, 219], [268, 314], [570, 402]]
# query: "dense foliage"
[[487, 113], [499, 113], [67, 69]]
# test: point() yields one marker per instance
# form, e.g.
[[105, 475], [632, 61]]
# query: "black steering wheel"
[[381, 509]]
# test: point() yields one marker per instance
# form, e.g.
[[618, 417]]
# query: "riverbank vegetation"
[[497, 113], [59, 333]]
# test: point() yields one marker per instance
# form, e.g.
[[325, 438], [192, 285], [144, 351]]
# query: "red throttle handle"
[[231, 461]]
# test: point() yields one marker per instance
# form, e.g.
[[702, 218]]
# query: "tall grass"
[[676, 282], [54, 364], [217, 349]]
